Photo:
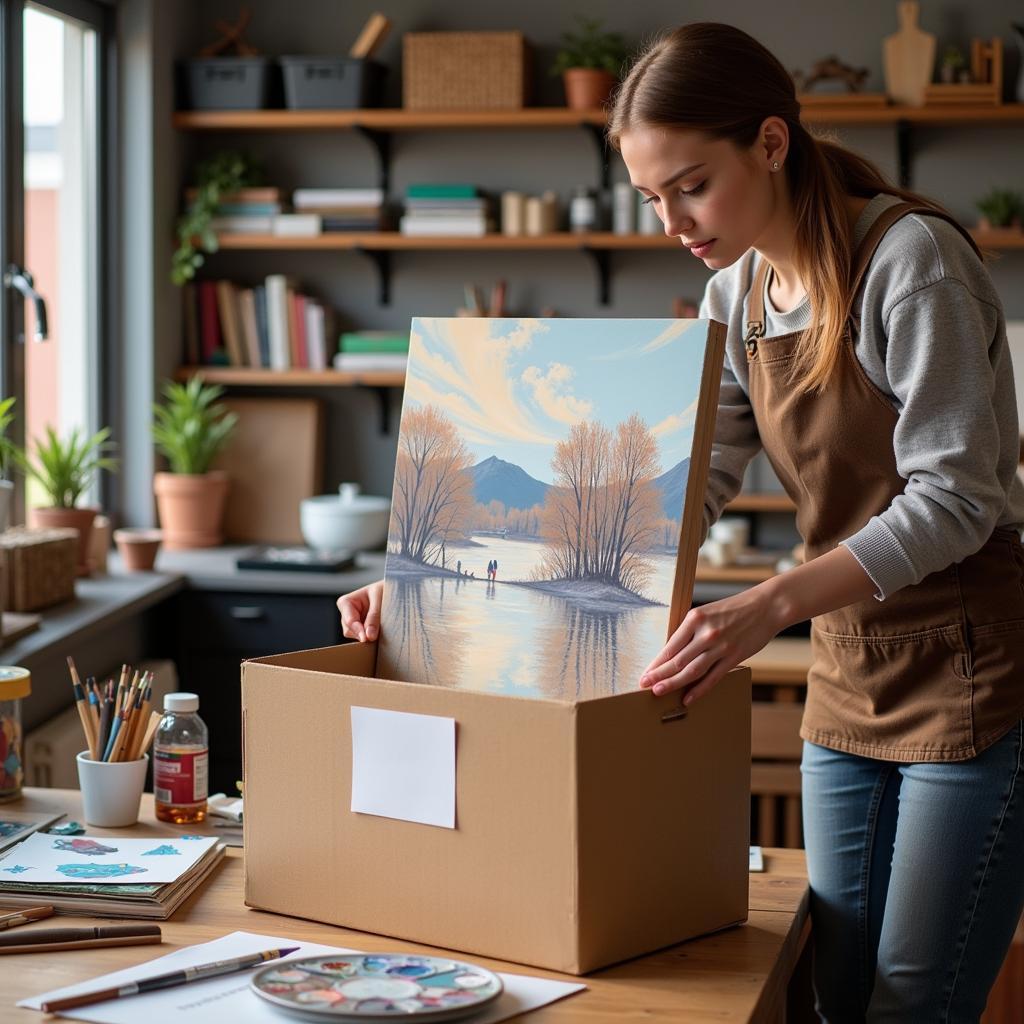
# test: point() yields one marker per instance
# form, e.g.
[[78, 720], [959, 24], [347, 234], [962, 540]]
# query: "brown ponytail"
[[719, 80]]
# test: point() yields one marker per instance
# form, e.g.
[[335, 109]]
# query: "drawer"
[[253, 624]]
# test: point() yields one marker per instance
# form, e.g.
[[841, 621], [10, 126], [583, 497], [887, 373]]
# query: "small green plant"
[[65, 469], [216, 177], [8, 449], [590, 47], [1001, 206], [190, 428], [952, 57]]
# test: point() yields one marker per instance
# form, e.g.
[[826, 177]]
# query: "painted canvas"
[[548, 500]]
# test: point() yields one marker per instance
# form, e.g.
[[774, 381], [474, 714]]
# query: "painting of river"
[[540, 487]]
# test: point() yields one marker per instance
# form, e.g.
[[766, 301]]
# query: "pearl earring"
[[775, 165]]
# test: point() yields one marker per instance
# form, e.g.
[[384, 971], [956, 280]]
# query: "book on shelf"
[[374, 341], [247, 196], [339, 198], [427, 227], [273, 325], [297, 225], [242, 225], [361, 362], [442, 190]]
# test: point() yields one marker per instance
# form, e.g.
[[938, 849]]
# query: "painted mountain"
[[539, 545]]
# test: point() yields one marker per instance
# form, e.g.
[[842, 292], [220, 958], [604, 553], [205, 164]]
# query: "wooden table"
[[742, 974]]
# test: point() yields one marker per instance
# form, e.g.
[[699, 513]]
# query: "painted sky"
[[515, 387]]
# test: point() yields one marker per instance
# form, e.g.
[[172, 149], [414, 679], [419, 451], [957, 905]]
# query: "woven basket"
[[465, 71], [38, 567]]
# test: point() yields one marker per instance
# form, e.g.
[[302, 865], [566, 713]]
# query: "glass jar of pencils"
[[181, 761], [15, 684]]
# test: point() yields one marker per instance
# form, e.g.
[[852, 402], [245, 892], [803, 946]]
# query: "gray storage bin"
[[227, 83], [331, 83]]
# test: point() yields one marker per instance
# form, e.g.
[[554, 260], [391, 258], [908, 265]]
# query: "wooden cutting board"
[[274, 459], [908, 58]]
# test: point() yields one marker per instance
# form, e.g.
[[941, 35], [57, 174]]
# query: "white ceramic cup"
[[111, 790]]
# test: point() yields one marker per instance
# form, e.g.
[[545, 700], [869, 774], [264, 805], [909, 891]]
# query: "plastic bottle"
[[181, 761]]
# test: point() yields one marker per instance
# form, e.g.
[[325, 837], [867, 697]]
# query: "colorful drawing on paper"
[[17, 869], [538, 501], [162, 851], [99, 870], [86, 847], [11, 828], [414, 987], [195, 837]]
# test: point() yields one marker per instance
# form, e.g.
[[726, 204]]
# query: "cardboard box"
[[587, 832]]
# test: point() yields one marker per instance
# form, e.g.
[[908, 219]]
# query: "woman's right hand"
[[360, 612]]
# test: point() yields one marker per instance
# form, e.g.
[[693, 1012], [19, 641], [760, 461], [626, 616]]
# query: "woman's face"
[[717, 199]]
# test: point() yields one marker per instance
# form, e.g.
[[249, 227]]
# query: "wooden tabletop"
[[740, 974]]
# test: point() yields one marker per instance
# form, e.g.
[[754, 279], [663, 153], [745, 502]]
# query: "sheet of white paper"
[[45, 858], [756, 859], [403, 766], [229, 998]]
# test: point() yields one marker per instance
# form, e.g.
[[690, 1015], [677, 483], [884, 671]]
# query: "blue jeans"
[[917, 881]]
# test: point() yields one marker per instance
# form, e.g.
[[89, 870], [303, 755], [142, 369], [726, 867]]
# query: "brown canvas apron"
[[936, 671]]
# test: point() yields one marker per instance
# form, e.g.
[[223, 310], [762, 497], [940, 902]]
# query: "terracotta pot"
[[587, 88], [80, 519], [191, 508], [138, 547]]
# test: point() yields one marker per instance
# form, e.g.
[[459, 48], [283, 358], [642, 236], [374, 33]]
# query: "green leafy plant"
[[216, 178], [191, 427], [590, 47], [1001, 206], [8, 449], [952, 57], [65, 469]]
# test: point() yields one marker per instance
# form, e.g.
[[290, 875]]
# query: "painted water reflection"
[[475, 629]]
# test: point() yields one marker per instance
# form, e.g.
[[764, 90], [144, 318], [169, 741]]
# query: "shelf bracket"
[[903, 147], [604, 171], [381, 259], [602, 261], [385, 409], [381, 142]]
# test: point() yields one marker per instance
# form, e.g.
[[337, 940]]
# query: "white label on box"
[[403, 766]]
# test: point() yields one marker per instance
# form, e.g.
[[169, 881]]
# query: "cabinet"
[[217, 630]]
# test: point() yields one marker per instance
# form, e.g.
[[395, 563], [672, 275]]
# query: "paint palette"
[[377, 986]]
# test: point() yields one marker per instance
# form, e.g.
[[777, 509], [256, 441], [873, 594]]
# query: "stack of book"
[[341, 209], [372, 350], [107, 876], [272, 326], [249, 211], [432, 210]]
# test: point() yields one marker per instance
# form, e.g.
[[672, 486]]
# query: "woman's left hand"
[[711, 640]]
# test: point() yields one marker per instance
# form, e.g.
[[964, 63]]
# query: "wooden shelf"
[[761, 503], [396, 119], [251, 377], [392, 241]]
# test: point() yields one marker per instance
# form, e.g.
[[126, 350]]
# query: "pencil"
[[147, 738], [141, 721], [45, 935], [138, 717], [83, 714], [158, 981], [24, 916], [115, 728]]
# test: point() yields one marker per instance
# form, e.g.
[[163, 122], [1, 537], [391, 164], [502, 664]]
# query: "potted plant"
[[7, 458], [189, 429], [589, 61], [65, 470], [216, 179], [1000, 208], [952, 64]]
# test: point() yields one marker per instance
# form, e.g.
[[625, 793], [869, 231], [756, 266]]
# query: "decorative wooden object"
[[231, 42], [909, 58], [831, 69], [986, 86], [38, 566]]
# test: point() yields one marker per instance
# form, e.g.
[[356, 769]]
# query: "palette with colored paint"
[[378, 986]]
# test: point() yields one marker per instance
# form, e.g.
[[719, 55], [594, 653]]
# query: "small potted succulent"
[[189, 429], [215, 180], [7, 457], [952, 64], [590, 61], [65, 469], [1000, 208]]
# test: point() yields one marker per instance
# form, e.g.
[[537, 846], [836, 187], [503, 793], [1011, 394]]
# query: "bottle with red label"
[[181, 761]]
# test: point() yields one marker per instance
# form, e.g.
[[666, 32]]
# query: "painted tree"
[[433, 496], [602, 513]]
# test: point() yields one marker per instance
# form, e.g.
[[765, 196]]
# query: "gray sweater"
[[933, 339]]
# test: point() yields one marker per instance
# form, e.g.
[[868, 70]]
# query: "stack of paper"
[[106, 876]]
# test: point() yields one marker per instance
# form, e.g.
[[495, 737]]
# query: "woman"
[[867, 356]]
